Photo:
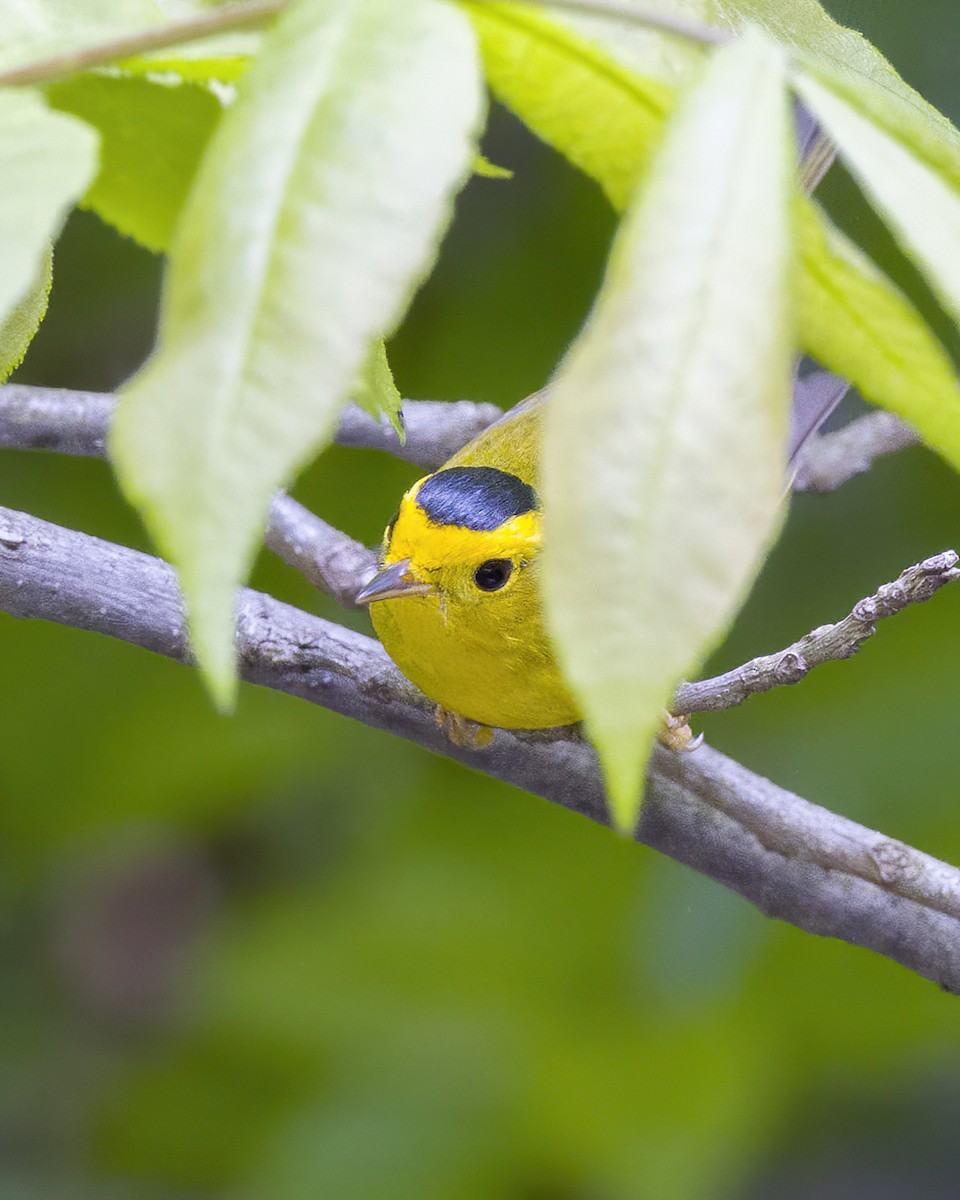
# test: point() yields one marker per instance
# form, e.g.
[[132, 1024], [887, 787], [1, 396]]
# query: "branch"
[[77, 423], [792, 859], [434, 429], [102, 54], [828, 643], [325, 556], [230, 17], [829, 460], [636, 14], [68, 422]]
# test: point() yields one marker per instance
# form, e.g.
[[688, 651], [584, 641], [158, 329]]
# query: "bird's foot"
[[463, 732], [676, 734]]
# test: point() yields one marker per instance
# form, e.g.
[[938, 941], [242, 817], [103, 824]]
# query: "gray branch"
[[792, 859], [829, 460], [328, 558], [67, 422], [77, 422], [828, 643]]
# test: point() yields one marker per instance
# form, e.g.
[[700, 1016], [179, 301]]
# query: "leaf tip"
[[623, 759]]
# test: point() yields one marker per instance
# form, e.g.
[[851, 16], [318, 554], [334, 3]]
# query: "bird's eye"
[[493, 574]]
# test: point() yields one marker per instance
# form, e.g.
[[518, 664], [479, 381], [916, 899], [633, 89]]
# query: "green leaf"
[[604, 117], [316, 211], [489, 170], [666, 433], [854, 321], [17, 331], [46, 163], [375, 391], [920, 206], [641, 48], [581, 99], [849, 63], [152, 137]]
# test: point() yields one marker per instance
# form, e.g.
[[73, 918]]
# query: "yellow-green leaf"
[[16, 332], [859, 325], [489, 170], [152, 137], [855, 68], [604, 117], [665, 439], [375, 390], [918, 203], [46, 163], [316, 211]]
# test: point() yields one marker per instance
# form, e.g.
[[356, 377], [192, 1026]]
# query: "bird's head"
[[464, 532]]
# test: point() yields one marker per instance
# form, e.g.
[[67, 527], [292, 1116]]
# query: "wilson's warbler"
[[456, 601]]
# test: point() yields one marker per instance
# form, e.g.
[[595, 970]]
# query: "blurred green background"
[[282, 956]]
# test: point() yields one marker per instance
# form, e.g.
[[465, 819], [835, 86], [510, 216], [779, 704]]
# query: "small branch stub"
[[828, 643]]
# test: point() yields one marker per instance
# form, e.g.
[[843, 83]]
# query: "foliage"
[[294, 249], [482, 997]]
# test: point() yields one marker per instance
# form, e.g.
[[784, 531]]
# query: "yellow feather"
[[483, 655]]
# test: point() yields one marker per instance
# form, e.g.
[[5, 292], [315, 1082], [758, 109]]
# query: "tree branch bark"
[[68, 422], [792, 859], [829, 460], [77, 423], [828, 643]]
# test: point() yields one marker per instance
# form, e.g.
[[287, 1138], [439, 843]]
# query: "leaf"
[[859, 325], [850, 64], [640, 48], [152, 137], [46, 162], [665, 436], [872, 335], [489, 170], [605, 118], [316, 211], [920, 207], [375, 391], [23, 321]]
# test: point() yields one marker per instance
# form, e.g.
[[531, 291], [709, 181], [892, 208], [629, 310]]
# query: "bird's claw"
[[463, 732], [676, 734]]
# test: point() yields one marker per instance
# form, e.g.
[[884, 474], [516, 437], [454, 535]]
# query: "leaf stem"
[[222, 20], [624, 10]]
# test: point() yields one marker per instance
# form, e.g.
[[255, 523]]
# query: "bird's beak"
[[390, 583]]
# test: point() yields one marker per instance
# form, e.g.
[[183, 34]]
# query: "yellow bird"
[[456, 601]]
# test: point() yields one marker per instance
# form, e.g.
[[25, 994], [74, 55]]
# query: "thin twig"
[[221, 20], [828, 643], [791, 858], [829, 460], [650, 18]]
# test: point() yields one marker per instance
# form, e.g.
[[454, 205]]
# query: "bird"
[[456, 601]]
